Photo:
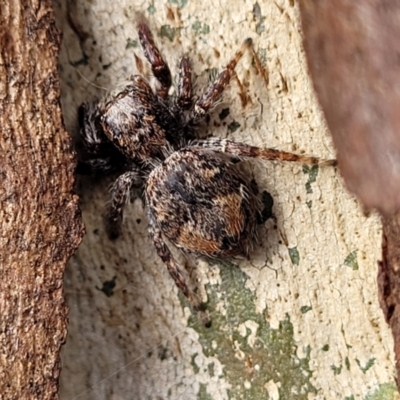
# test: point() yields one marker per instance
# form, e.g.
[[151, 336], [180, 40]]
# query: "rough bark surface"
[[300, 319], [40, 219], [389, 280], [353, 51]]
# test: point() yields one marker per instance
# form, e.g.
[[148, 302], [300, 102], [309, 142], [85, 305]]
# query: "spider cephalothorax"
[[196, 196]]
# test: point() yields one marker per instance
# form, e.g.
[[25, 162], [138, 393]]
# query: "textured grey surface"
[[301, 318]]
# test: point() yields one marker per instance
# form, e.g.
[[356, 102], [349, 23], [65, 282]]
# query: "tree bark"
[[40, 218], [351, 51]]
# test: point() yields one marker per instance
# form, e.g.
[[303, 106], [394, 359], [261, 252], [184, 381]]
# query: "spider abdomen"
[[202, 203]]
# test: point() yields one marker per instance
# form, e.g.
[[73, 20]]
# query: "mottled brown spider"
[[195, 192]]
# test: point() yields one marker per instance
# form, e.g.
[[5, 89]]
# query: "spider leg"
[[94, 165], [243, 150], [185, 89], [120, 193], [102, 156], [158, 65], [176, 272], [215, 89], [91, 132]]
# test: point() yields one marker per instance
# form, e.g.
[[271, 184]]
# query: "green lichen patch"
[[305, 309], [312, 176], [200, 28], [202, 393], [251, 352], [211, 371], [351, 260], [294, 255], [179, 3], [195, 367], [169, 32], [367, 366], [151, 9], [131, 44], [336, 369], [386, 391], [260, 26], [233, 126], [262, 55]]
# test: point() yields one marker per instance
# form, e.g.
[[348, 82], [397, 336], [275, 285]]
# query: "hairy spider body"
[[202, 203], [195, 195]]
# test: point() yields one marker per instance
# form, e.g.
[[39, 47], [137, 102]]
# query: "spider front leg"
[[90, 130], [103, 157], [215, 89], [120, 194], [158, 65], [243, 150], [176, 272], [185, 90]]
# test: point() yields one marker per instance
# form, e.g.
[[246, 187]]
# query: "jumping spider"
[[195, 192]]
